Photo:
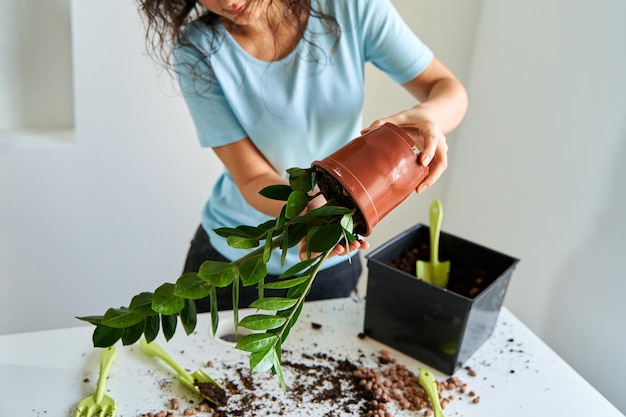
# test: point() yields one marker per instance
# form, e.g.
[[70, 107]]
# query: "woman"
[[274, 84]]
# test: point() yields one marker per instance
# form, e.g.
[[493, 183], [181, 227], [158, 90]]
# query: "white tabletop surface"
[[47, 373]]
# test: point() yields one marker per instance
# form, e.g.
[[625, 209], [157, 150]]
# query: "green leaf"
[[165, 302], [215, 317], [262, 361], [273, 303], [243, 231], [168, 323], [252, 270], [120, 318], [256, 342], [296, 233], [268, 225], [298, 290], [95, 320], [235, 299], [296, 204], [190, 286], [267, 248], [253, 232], [189, 317], [300, 266], [301, 179], [105, 336], [324, 238], [284, 246], [289, 283], [281, 219], [278, 370], [328, 211], [276, 192], [142, 304], [262, 322], [347, 222], [220, 274], [133, 333], [238, 242], [152, 327]]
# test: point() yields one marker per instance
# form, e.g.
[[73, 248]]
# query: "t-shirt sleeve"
[[215, 122], [389, 43]]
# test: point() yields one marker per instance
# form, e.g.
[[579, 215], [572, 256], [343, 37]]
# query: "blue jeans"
[[335, 282]]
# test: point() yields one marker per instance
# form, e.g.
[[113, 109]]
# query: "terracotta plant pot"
[[439, 327], [377, 170]]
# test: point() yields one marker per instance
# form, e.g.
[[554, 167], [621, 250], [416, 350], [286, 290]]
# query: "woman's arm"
[[251, 173], [443, 104]]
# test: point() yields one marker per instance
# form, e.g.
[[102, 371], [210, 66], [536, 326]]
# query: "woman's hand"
[[443, 103], [431, 142], [338, 250]]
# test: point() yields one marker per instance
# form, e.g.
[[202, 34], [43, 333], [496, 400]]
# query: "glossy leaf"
[[296, 204], [252, 271], [297, 291], [262, 361], [168, 324], [281, 219], [105, 336], [215, 318], [152, 327], [164, 301], [301, 179], [296, 233], [133, 333], [267, 248], [189, 316], [324, 237], [347, 222], [284, 247], [95, 320], [235, 301], [242, 242], [253, 232], [256, 342], [142, 304], [327, 211], [220, 274], [288, 283], [300, 266], [276, 192], [262, 322], [230, 231], [278, 370], [120, 318], [191, 287], [273, 303]]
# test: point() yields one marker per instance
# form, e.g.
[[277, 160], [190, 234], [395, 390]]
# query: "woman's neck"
[[271, 37]]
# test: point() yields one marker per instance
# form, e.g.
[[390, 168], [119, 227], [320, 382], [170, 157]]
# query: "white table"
[[46, 373]]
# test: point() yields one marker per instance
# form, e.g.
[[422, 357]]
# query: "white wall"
[[448, 27], [25, 65], [86, 226], [539, 173]]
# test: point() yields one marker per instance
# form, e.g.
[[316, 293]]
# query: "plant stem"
[[295, 308]]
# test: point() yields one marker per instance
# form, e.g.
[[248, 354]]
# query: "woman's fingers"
[[338, 250]]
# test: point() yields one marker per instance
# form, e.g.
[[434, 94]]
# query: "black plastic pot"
[[436, 326]]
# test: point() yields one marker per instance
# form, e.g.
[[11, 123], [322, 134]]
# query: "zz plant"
[[152, 312]]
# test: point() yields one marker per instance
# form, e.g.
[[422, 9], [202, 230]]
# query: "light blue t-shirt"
[[298, 109]]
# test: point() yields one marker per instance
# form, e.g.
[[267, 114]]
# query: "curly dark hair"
[[165, 21]]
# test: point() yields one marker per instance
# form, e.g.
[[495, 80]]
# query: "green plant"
[[152, 312]]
